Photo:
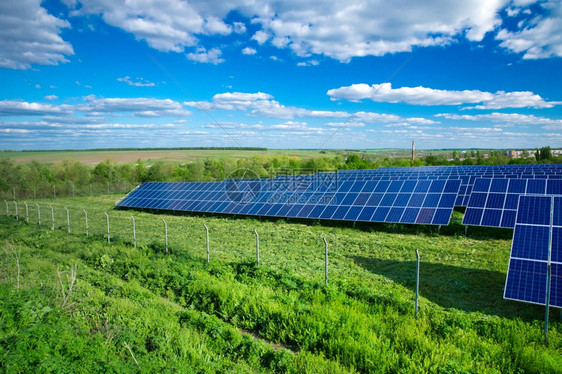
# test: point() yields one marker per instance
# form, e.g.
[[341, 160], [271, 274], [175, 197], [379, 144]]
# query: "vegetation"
[[142, 309], [70, 177]]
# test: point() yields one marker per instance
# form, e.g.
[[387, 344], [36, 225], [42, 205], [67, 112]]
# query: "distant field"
[[95, 157]]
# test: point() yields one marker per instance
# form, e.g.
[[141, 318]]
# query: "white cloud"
[[51, 97], [23, 108], [165, 25], [540, 36], [345, 124], [249, 51], [140, 82], [343, 30], [30, 36], [211, 56], [338, 29], [239, 27], [261, 37], [142, 107], [309, 63], [262, 104], [291, 125], [429, 96], [509, 118]]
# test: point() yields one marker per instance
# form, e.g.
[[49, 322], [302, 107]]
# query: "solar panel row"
[[415, 201], [537, 244], [467, 173], [349, 195]]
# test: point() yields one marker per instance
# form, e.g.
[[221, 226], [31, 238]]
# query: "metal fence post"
[[325, 261], [16, 205], [14, 189], [86, 217], [417, 282], [52, 218], [107, 217], [38, 214], [207, 230], [547, 303], [26, 213], [55, 191], [67, 220], [257, 247], [7, 207], [166, 234], [134, 233]]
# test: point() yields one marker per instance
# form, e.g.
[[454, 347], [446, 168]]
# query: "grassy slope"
[[363, 320]]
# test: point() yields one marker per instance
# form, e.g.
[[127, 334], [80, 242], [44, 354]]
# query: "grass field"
[[175, 312]]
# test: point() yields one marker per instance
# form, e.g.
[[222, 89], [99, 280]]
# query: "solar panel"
[[494, 202], [423, 195], [537, 244], [396, 201]]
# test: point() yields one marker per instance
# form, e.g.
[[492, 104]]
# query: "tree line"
[[70, 176]]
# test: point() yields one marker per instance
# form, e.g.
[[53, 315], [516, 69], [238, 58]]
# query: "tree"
[[544, 154]]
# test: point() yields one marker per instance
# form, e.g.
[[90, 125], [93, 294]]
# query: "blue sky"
[[280, 74]]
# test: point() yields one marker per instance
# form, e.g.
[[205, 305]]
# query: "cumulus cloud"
[[263, 104], [249, 51], [141, 107], [259, 104], [211, 56], [51, 97], [261, 37], [30, 36], [429, 96], [309, 63], [537, 37], [239, 27], [165, 25], [140, 82], [338, 29], [24, 108], [343, 30]]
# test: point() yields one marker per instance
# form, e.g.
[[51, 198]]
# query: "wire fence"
[[230, 240], [65, 189]]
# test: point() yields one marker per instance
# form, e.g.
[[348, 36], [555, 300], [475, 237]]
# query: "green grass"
[[363, 321]]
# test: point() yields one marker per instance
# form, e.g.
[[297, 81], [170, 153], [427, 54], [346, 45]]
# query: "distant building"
[[513, 153]]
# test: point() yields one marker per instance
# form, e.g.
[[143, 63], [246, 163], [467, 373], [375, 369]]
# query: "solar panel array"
[[422, 195], [398, 201], [537, 244], [527, 198], [494, 202]]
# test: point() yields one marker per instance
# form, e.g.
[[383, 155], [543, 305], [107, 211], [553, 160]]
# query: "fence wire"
[[231, 240]]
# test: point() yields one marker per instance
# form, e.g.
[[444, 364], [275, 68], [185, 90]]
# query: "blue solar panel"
[[406, 195], [494, 202], [537, 244], [399, 201]]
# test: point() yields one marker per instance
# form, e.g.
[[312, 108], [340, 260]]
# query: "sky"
[[327, 74]]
